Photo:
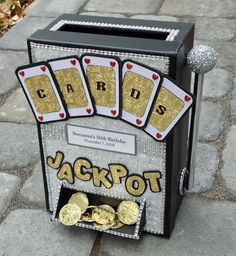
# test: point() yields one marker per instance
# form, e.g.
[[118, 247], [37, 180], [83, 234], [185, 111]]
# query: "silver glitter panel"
[[42, 52], [151, 155]]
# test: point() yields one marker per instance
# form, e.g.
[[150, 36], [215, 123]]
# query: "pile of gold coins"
[[103, 217]]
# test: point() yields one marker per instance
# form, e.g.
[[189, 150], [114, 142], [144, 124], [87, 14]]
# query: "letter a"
[[69, 88], [65, 173]]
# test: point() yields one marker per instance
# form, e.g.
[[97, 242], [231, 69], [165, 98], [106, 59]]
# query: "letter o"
[[131, 189]]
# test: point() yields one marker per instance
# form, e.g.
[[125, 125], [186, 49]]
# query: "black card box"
[[160, 45]]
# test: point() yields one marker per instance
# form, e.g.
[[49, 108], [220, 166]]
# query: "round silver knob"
[[201, 59]]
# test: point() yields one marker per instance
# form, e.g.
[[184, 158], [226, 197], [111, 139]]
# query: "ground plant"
[[11, 12]]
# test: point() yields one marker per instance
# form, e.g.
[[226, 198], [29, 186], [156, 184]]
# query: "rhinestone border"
[[172, 32], [81, 51]]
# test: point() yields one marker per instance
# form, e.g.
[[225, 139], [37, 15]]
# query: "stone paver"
[[233, 102], [203, 228], [104, 14], [217, 29], [33, 190], [229, 169], [9, 61], [9, 185], [217, 83], [16, 109], [19, 145], [206, 165], [154, 17], [123, 6], [225, 52], [209, 8], [211, 121], [54, 8], [16, 38], [30, 232]]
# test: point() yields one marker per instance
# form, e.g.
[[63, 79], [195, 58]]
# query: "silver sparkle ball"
[[201, 59]]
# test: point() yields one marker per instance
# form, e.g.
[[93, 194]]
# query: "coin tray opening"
[[128, 231]]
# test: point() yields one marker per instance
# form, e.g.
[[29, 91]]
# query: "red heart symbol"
[[138, 121], [88, 110], [112, 63], [22, 73], [113, 112], [73, 62], [187, 98], [129, 66], [40, 118], [87, 61], [154, 77], [43, 68], [158, 135], [61, 115]]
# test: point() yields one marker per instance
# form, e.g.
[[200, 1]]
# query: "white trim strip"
[[172, 32]]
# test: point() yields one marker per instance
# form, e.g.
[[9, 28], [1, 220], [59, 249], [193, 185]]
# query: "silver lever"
[[201, 59]]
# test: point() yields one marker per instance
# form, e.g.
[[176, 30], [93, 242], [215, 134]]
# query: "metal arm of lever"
[[201, 59]]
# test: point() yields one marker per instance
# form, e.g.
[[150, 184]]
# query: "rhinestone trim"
[[182, 189], [80, 51], [172, 32], [46, 169]]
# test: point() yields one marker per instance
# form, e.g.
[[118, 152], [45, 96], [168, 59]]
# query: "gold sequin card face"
[[103, 74], [73, 86], [42, 93], [171, 104], [139, 88]]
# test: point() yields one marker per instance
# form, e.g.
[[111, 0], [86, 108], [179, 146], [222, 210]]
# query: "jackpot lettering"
[[84, 170]]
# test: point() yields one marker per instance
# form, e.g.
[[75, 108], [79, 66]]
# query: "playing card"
[[42, 93], [103, 74], [139, 88], [171, 104], [73, 86]]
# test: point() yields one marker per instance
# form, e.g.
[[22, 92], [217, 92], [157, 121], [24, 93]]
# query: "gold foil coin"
[[103, 214], [81, 200], [127, 212], [91, 206], [87, 218], [70, 214], [118, 224], [104, 226]]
